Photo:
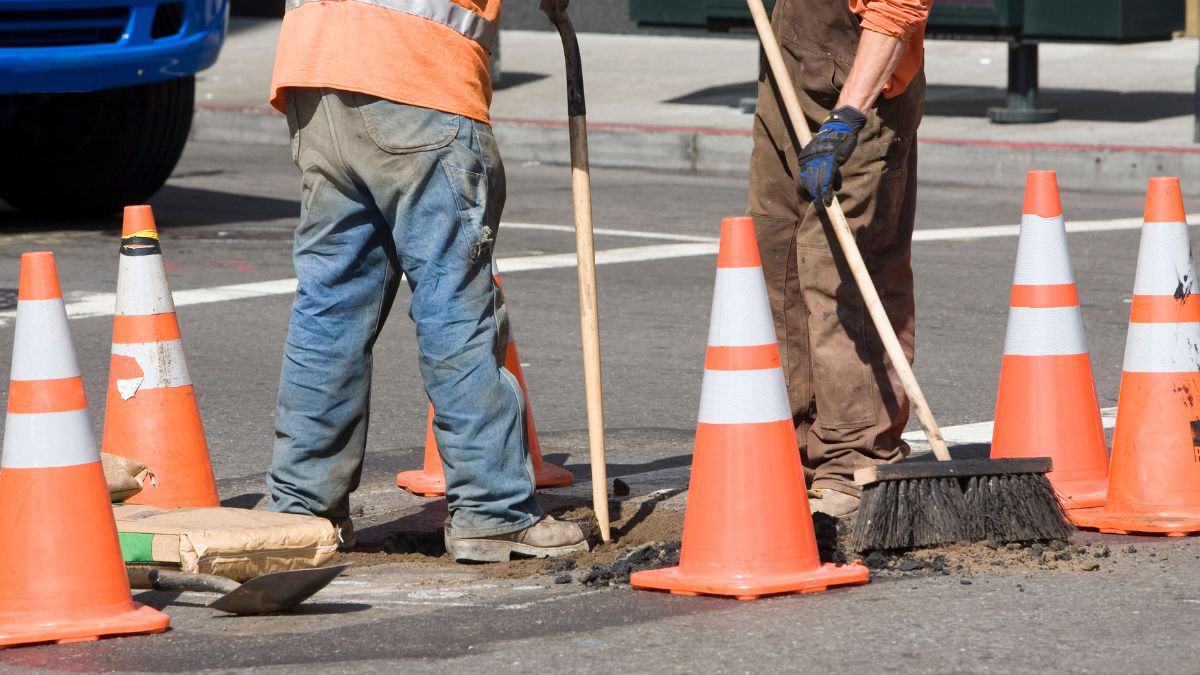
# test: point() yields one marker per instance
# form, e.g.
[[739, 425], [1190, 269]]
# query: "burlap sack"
[[124, 476], [236, 543]]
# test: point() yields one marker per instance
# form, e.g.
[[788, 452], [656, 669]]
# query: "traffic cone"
[[62, 578], [1046, 404], [1154, 482], [431, 482], [747, 531], [151, 414]]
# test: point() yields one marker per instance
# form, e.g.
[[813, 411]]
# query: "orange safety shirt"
[[429, 53], [904, 19]]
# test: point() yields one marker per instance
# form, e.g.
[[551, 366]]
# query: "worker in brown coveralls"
[[858, 65]]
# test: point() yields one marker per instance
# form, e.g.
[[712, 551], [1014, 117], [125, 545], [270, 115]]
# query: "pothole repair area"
[[647, 534]]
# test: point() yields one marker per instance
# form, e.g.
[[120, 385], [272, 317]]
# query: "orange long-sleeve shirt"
[[904, 19]]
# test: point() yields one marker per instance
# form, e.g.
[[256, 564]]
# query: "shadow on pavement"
[[173, 207], [942, 100]]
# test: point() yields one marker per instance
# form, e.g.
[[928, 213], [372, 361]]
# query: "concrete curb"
[[727, 152]]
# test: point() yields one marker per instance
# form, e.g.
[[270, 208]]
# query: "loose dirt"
[[646, 535]]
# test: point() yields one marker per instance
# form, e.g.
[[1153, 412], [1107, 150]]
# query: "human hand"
[[817, 173]]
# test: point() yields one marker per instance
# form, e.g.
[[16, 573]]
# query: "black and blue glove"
[[818, 175]]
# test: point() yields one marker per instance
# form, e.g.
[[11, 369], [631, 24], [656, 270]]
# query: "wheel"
[[90, 154]]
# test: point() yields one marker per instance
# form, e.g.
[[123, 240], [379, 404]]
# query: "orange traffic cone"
[[431, 482], [1154, 482], [747, 531], [1046, 404], [151, 414], [62, 578]]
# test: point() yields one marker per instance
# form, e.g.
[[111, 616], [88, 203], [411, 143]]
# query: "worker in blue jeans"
[[394, 191]]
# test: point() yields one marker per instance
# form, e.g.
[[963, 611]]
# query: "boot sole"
[[491, 550]]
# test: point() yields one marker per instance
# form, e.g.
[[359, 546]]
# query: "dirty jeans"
[[848, 407], [394, 191]]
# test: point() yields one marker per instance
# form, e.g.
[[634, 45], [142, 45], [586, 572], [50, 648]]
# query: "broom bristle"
[[915, 512]]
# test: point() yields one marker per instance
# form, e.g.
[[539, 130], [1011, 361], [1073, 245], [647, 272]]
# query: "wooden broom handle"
[[585, 251], [845, 238]]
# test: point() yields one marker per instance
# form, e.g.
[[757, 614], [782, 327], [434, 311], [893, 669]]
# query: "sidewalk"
[[671, 104]]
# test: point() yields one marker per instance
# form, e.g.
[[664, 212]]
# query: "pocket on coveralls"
[[399, 128]]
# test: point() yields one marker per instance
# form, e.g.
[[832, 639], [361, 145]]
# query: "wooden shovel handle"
[[589, 311], [845, 238]]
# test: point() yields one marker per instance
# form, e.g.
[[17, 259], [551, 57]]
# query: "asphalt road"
[[226, 218]]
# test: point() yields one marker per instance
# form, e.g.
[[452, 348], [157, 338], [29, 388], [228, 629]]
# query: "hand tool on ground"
[[274, 592], [589, 312], [924, 503]]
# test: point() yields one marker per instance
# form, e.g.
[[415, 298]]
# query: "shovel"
[[274, 592], [585, 251]]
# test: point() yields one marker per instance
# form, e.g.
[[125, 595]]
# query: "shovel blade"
[[278, 591]]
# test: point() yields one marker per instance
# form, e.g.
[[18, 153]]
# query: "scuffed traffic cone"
[[1154, 481], [431, 482], [1046, 404], [151, 414], [747, 531], [62, 578]]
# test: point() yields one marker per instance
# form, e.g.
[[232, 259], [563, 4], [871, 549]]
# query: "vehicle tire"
[[90, 154]]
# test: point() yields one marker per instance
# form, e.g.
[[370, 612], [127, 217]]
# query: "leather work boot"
[[832, 502], [346, 539], [547, 538]]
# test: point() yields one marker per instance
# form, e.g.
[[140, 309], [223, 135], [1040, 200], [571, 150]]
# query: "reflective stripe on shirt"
[[456, 17]]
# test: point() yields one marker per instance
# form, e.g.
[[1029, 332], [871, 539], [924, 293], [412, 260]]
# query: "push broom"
[[921, 503]]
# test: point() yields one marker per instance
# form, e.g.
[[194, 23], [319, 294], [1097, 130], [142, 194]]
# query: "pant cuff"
[[479, 532], [837, 484]]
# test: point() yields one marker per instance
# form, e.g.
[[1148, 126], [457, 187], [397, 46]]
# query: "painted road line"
[[601, 231], [981, 432], [101, 304]]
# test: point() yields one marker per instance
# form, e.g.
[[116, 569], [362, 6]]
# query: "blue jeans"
[[394, 191]]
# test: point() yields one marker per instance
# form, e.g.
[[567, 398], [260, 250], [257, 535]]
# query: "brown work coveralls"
[[847, 404]]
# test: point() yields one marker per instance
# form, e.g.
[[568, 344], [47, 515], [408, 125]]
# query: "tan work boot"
[[832, 502], [547, 538]]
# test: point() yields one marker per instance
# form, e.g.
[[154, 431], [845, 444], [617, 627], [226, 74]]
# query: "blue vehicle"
[[96, 98]]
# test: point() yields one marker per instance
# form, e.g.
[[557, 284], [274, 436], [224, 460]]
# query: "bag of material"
[[124, 476], [235, 543]]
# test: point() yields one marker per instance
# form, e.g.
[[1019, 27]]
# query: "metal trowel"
[[274, 592]]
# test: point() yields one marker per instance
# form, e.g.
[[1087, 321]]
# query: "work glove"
[[818, 175]]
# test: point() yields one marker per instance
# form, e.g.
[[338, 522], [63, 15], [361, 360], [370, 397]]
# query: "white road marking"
[[86, 305], [981, 432]]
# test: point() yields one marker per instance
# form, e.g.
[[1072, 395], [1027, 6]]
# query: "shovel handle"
[[166, 580], [845, 237], [589, 311]]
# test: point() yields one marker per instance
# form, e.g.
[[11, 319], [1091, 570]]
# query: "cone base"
[[1081, 494], [808, 581], [427, 484], [422, 483], [1118, 522], [551, 475], [140, 620]]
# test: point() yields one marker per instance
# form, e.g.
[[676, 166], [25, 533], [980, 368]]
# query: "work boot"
[[832, 502], [346, 539], [547, 538]]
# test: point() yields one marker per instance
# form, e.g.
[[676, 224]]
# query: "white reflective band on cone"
[[42, 347], [1164, 260], [741, 314], [1049, 331], [743, 397], [451, 15], [1042, 255], [162, 363], [1162, 348], [142, 286], [42, 440]]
